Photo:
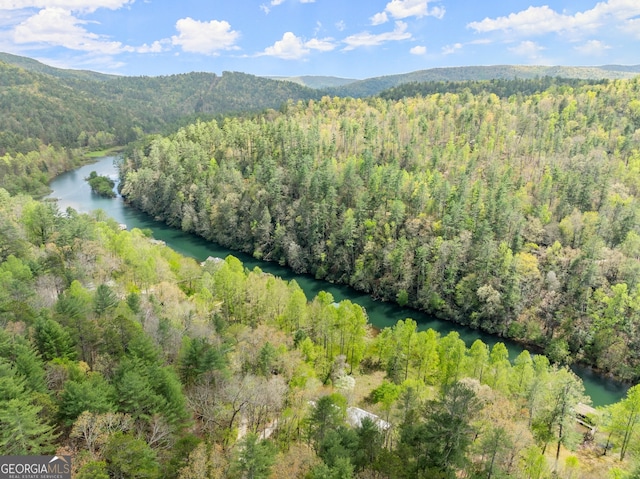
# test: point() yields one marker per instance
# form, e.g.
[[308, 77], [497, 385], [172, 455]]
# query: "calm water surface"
[[71, 190]]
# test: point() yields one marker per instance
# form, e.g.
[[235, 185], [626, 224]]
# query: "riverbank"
[[71, 190], [78, 159]]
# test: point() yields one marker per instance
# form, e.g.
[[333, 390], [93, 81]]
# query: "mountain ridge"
[[374, 85], [41, 104], [457, 73]]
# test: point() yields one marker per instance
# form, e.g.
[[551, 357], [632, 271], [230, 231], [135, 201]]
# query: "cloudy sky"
[[345, 38]]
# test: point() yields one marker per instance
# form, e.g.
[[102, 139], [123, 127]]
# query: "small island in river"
[[101, 185]]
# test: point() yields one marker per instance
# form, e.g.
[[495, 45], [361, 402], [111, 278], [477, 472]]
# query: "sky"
[[343, 38]]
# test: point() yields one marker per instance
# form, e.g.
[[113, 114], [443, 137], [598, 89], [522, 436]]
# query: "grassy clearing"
[[105, 152]]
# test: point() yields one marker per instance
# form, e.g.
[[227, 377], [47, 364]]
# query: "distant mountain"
[[32, 65], [39, 103], [318, 82], [622, 68], [373, 86], [503, 88], [70, 108]]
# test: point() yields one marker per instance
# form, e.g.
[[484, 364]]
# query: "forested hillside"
[[318, 82], [510, 206], [373, 86], [44, 105], [141, 363], [500, 87], [516, 215]]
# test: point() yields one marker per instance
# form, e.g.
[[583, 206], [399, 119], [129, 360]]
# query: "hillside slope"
[[373, 86], [517, 215], [41, 104]]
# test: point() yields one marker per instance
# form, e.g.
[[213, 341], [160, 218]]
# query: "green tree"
[[255, 458], [93, 470], [425, 358], [451, 350], [197, 358], [53, 340], [128, 457], [556, 418], [26, 362], [369, 446], [104, 299], [478, 359], [145, 389], [625, 419], [495, 445], [92, 394], [327, 414], [438, 446], [386, 394], [22, 430], [340, 443], [40, 222]]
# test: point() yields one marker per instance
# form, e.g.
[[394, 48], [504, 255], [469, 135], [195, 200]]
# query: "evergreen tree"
[[255, 458], [22, 430], [53, 341], [128, 457]]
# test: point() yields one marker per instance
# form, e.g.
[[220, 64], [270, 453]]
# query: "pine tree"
[[22, 430], [53, 341]]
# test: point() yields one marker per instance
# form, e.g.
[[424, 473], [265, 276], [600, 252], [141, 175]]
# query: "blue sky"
[[345, 38]]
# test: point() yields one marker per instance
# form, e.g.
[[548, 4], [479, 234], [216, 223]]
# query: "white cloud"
[[379, 18], [631, 27], [323, 45], [72, 5], [205, 37], [289, 48], [480, 41], [366, 39], [155, 47], [9, 19], [437, 12], [292, 47], [450, 49], [341, 25], [418, 50], [407, 8], [528, 49], [274, 3], [542, 20], [57, 24], [58, 27], [534, 20], [594, 48], [400, 9]]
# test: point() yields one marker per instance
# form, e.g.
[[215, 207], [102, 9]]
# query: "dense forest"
[[31, 172], [374, 86], [509, 206], [501, 87], [141, 363], [47, 106], [516, 215]]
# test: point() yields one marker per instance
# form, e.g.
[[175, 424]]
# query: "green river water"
[[73, 191]]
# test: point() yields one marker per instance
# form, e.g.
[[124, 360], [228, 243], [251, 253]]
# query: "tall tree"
[[255, 458]]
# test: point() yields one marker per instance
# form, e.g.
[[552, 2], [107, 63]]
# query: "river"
[[71, 190]]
